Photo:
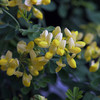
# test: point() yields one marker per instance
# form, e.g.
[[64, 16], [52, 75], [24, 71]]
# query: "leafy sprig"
[[74, 95]]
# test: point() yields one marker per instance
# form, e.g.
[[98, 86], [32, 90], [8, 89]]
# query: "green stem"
[[12, 17]]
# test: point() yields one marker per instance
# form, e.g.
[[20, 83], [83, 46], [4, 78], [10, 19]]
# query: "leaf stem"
[[12, 17]]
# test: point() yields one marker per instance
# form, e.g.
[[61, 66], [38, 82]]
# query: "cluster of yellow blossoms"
[[92, 52], [55, 43], [28, 5]]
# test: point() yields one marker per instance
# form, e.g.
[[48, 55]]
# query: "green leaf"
[[75, 95], [63, 74], [94, 16], [95, 82], [75, 91], [30, 15], [79, 97], [52, 66], [88, 96], [35, 28], [81, 70], [25, 32], [69, 94], [25, 90], [33, 36], [10, 35], [43, 82], [36, 86], [62, 10], [50, 28]]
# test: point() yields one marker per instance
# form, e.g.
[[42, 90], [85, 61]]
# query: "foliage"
[[27, 22], [75, 95]]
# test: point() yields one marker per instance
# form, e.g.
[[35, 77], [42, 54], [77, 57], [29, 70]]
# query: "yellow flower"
[[94, 66], [22, 47], [55, 42], [13, 64], [88, 38], [33, 71], [73, 45], [18, 74], [10, 71], [67, 32], [40, 61], [61, 47], [34, 1], [26, 79], [37, 2], [37, 13], [48, 55], [92, 51], [75, 32], [56, 31], [80, 36], [59, 36], [8, 63], [8, 55], [46, 2], [60, 65], [36, 64], [22, 7], [57, 39], [39, 97], [75, 50], [71, 61], [80, 44], [44, 40], [12, 3], [30, 46], [3, 62], [88, 53], [52, 49], [57, 46], [29, 2]]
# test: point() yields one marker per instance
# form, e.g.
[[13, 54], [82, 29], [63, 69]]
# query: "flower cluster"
[[92, 52], [12, 66], [28, 5], [57, 44], [9, 64], [30, 62]]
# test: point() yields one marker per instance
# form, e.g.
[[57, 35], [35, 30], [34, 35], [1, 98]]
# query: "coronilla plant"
[[46, 62]]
